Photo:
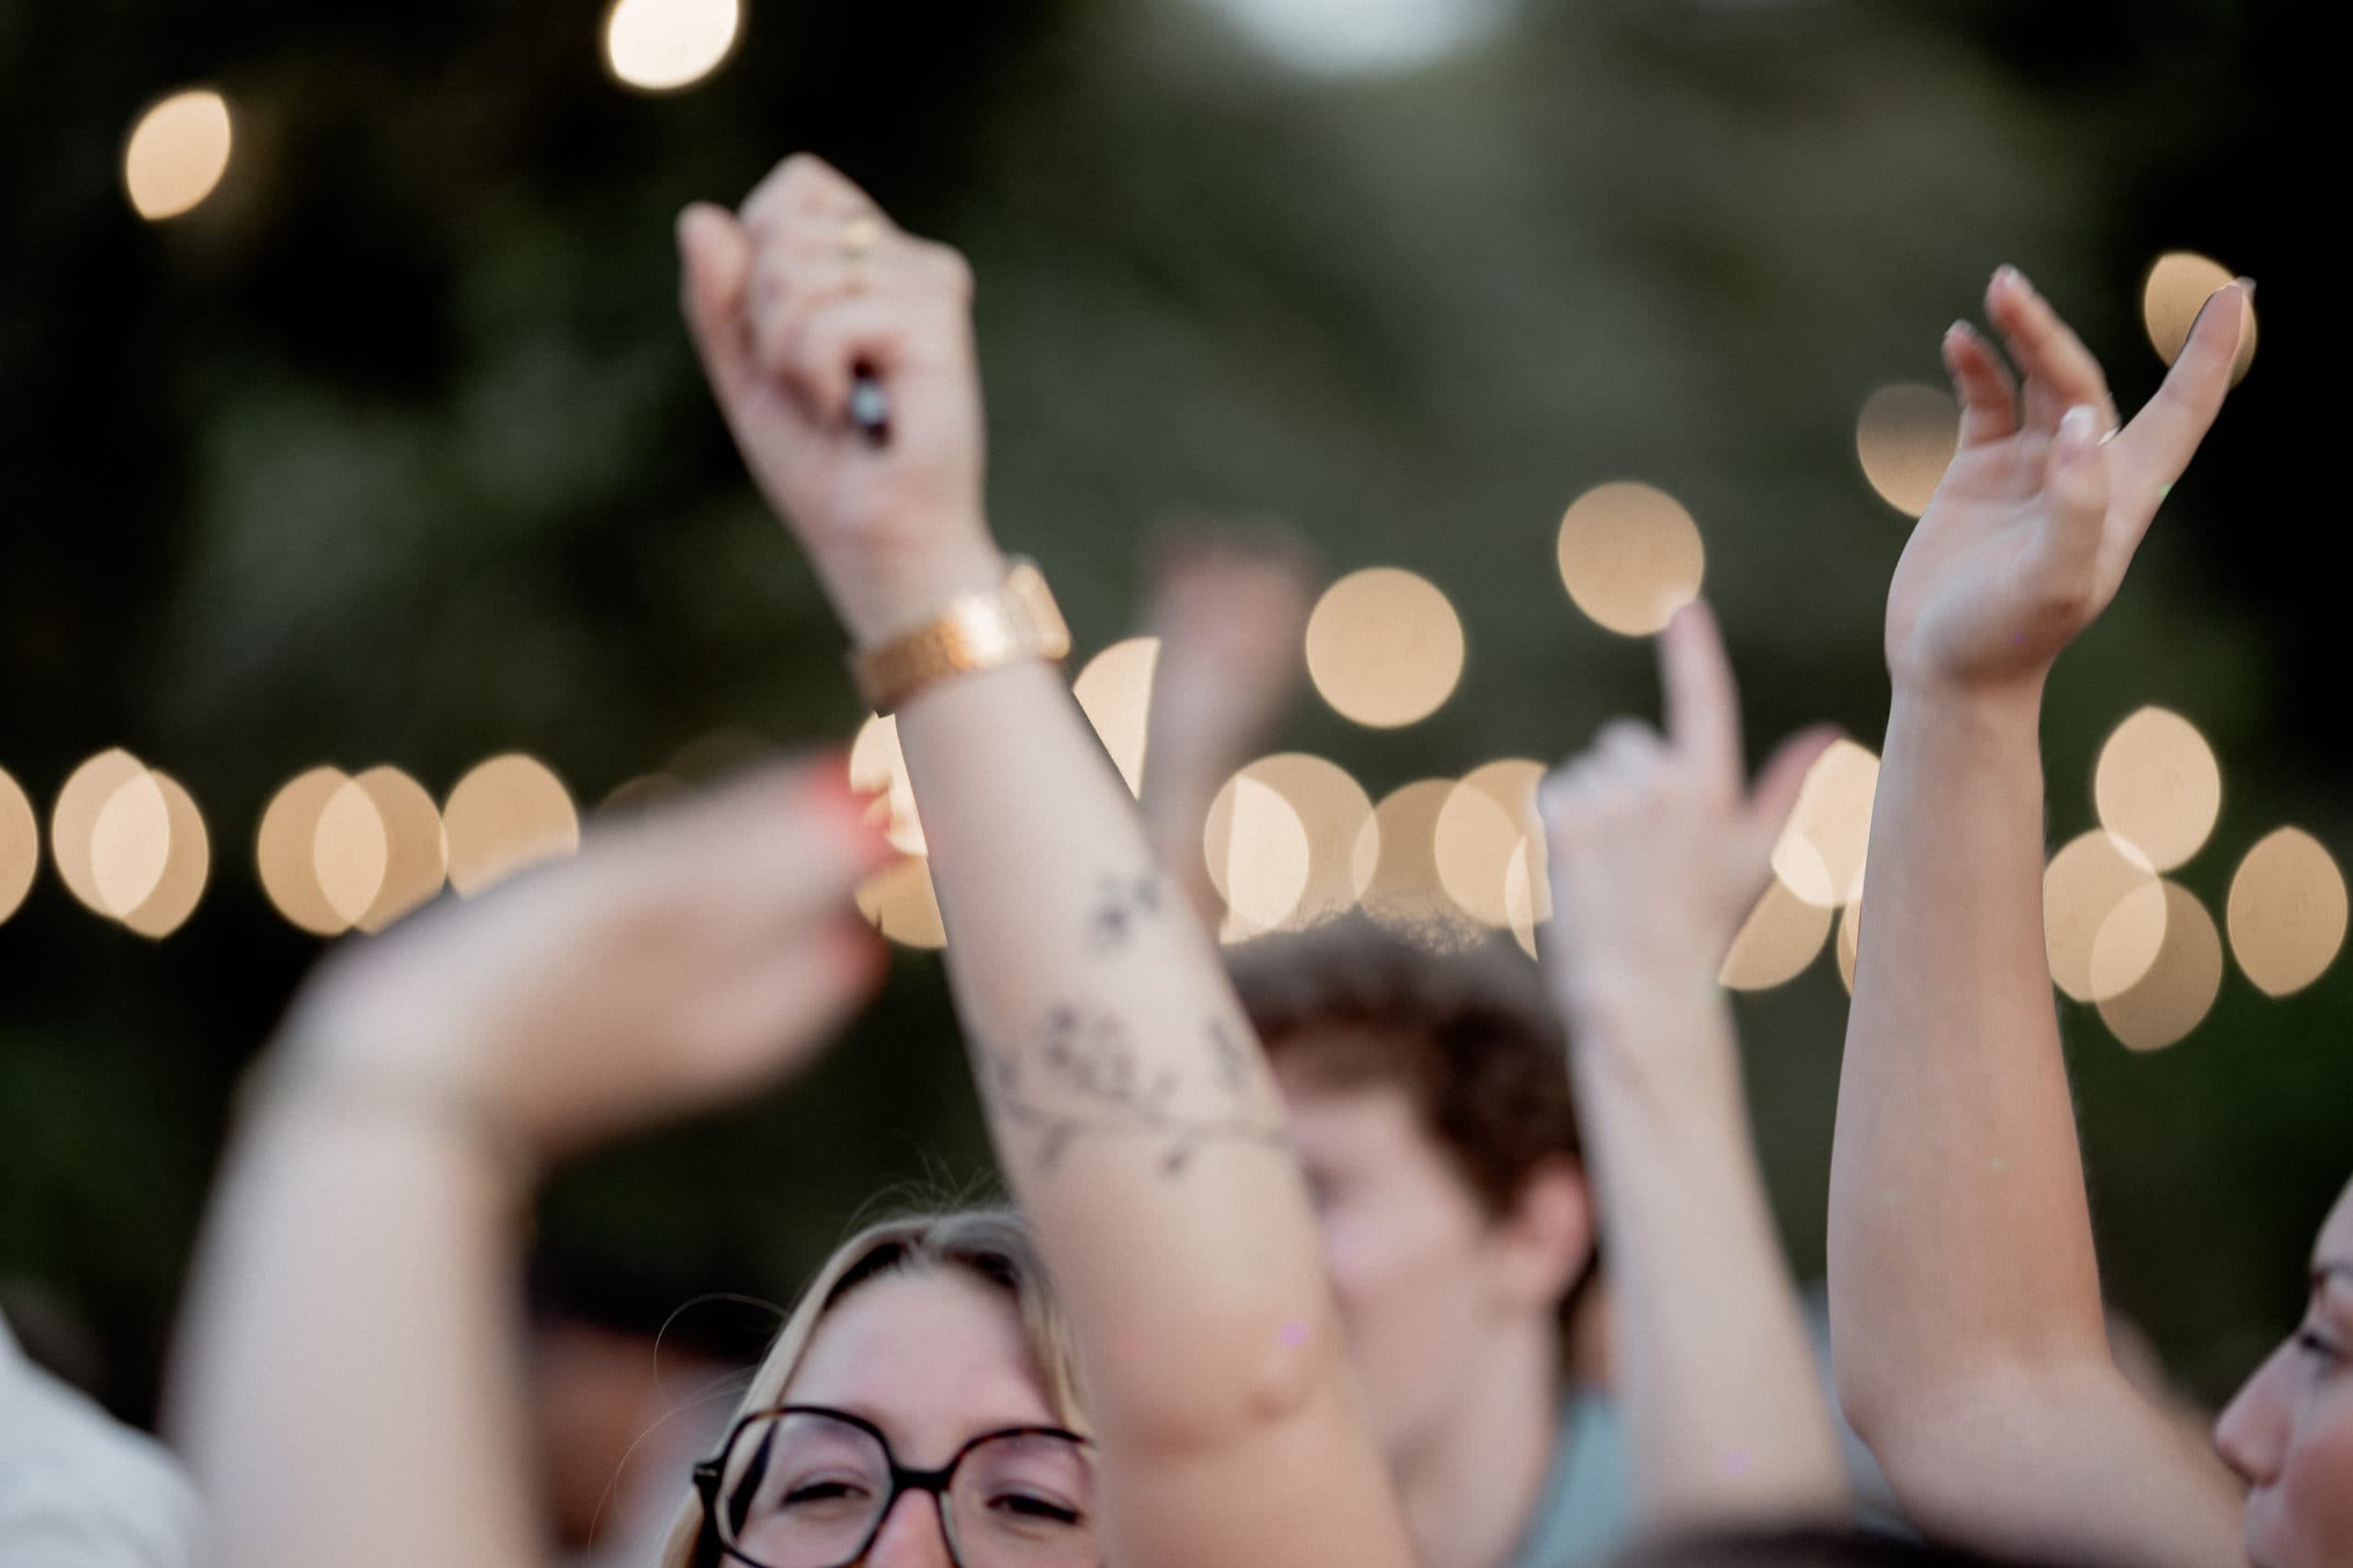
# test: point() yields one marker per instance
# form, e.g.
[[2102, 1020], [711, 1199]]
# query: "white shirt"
[[78, 1489]]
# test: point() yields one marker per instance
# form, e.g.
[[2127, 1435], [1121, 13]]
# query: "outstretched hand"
[[790, 302], [2037, 518], [1657, 852], [676, 963]]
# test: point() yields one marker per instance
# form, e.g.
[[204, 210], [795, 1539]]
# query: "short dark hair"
[[1464, 1028]]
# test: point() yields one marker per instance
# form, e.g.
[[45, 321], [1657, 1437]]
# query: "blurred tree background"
[[393, 450]]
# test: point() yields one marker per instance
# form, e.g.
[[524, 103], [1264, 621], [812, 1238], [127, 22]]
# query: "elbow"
[[1250, 1375]]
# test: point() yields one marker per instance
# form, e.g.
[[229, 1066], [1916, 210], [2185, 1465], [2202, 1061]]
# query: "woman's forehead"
[[929, 1356]]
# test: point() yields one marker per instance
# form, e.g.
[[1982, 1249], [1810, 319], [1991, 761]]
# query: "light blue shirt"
[[1587, 1509]]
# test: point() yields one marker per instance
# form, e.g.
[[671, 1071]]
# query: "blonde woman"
[[936, 1333]]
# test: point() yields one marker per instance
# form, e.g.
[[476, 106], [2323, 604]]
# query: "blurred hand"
[[2029, 535], [680, 961], [788, 301], [1230, 607], [1657, 854]]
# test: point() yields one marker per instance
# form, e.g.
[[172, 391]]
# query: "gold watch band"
[[1016, 621]]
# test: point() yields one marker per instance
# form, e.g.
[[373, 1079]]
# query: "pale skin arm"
[[349, 1382], [1124, 1091], [1971, 1350], [1656, 857]]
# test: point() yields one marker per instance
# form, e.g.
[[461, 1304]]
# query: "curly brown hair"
[[1465, 1030]]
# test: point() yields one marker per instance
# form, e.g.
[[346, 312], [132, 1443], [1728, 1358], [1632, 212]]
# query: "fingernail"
[[2247, 284], [2078, 432]]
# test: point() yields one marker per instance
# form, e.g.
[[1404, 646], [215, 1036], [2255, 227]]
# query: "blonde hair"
[[991, 1245]]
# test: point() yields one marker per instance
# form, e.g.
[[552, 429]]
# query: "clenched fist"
[[791, 301]]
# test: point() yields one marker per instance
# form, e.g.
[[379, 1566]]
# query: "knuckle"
[[953, 268]]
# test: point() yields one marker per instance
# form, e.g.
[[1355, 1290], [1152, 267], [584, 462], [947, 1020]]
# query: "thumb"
[[1774, 797], [715, 267], [2075, 479]]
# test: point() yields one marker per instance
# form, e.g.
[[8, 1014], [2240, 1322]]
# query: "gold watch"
[[1011, 623]]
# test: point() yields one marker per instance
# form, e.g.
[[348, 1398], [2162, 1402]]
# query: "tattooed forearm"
[[1122, 903], [1084, 1080]]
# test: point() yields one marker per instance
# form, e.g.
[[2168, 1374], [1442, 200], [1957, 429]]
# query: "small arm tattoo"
[[1122, 902], [1084, 1080]]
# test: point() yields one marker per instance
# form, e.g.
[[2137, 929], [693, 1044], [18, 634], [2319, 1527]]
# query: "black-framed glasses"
[[803, 1487]]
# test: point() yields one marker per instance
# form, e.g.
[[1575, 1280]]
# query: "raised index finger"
[[1702, 703]]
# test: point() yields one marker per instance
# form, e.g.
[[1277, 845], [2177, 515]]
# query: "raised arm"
[[1657, 854], [1230, 606], [349, 1388], [1965, 1298], [1126, 1095]]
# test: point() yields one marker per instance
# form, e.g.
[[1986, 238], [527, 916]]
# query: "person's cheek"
[[2318, 1473]]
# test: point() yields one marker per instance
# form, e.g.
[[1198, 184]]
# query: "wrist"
[[1994, 719], [1668, 1057], [337, 1081], [2009, 701], [884, 599]]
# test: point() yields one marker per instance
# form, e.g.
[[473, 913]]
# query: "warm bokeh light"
[[1906, 439], [900, 902], [2179, 284], [1780, 937], [2104, 917], [73, 822], [286, 851], [1115, 691], [2286, 911], [350, 851], [177, 153], [1482, 827], [19, 845], [508, 813], [1820, 856], [1527, 900], [131, 844], [1333, 811], [1850, 943], [1385, 647], [416, 852], [1405, 889], [188, 866], [377, 850], [1260, 857], [878, 768], [2158, 786], [1630, 556], [660, 46], [2179, 991]]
